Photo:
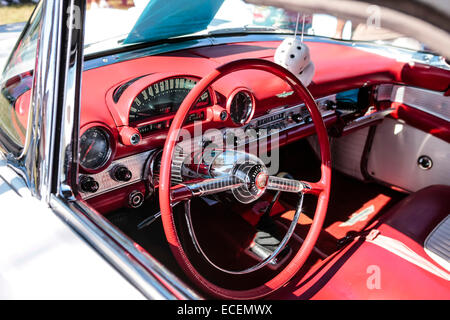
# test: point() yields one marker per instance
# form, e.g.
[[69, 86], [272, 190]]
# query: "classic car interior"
[[355, 171]]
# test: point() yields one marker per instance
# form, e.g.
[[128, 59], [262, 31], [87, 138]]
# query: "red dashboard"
[[129, 105], [338, 68]]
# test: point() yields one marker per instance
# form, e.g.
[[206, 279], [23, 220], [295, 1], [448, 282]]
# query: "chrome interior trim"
[[144, 272], [298, 109], [135, 163], [432, 102], [364, 120], [34, 164], [140, 164], [243, 135], [270, 259], [383, 92]]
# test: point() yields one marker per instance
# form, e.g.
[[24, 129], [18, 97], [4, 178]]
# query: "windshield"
[[115, 24]]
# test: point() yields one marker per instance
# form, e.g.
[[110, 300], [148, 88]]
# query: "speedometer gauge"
[[240, 106], [95, 149], [164, 97]]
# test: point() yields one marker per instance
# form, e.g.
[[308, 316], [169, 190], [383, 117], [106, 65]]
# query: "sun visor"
[[162, 19]]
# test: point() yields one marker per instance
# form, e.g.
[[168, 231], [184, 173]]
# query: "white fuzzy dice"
[[294, 55]]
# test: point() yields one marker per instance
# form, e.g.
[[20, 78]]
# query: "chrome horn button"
[[255, 176]]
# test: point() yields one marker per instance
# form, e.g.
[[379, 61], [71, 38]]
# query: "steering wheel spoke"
[[287, 185], [204, 188]]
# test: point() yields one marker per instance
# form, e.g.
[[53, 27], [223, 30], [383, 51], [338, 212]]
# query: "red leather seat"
[[393, 252], [418, 214]]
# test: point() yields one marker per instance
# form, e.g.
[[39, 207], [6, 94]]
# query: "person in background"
[[97, 3], [16, 2], [8, 2], [280, 18]]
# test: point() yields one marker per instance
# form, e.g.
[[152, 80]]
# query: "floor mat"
[[357, 221]]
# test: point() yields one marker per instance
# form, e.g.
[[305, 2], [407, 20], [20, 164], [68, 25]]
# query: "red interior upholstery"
[[417, 215], [410, 222]]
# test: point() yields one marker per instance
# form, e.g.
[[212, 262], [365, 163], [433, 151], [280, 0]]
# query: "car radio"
[[284, 118]]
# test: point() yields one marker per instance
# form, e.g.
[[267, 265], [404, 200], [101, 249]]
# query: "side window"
[[15, 87]]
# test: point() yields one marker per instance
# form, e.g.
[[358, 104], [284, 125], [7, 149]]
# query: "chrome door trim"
[[432, 102], [428, 101], [139, 267], [145, 273], [35, 160]]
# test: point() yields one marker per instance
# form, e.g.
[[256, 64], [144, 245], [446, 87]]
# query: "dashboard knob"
[[88, 184], [223, 115], [122, 173], [130, 136], [308, 119], [297, 118], [135, 199]]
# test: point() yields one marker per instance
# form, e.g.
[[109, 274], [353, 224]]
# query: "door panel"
[[395, 152]]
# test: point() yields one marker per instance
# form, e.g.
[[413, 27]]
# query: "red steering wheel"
[[168, 193]]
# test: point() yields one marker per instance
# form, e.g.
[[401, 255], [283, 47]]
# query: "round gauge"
[[241, 107], [95, 149]]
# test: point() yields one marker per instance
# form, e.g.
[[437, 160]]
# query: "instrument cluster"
[[165, 97], [150, 109]]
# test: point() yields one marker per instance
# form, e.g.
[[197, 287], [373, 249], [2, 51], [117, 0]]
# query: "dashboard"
[[129, 99], [127, 107], [139, 172], [144, 107]]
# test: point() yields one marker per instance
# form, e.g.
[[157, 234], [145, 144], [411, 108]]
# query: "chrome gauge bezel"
[[250, 109], [108, 158]]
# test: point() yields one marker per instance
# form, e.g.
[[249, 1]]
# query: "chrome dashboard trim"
[[243, 136], [432, 102], [135, 163], [267, 119]]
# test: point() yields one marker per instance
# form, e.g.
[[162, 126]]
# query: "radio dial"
[[121, 173], [297, 118], [88, 184]]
